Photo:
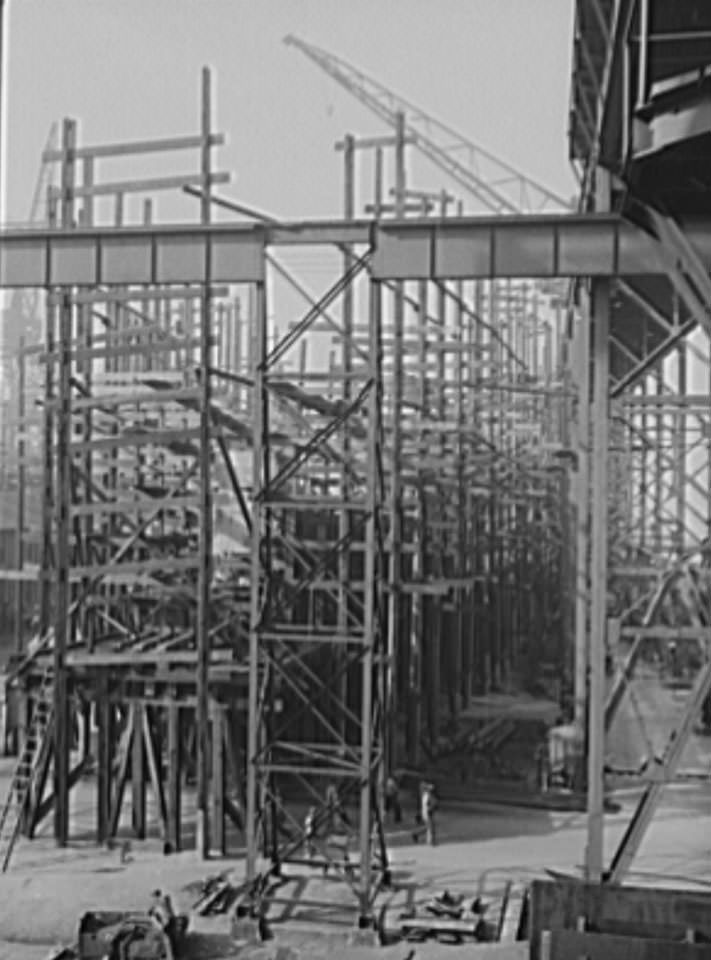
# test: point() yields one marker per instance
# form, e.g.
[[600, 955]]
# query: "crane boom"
[[495, 184]]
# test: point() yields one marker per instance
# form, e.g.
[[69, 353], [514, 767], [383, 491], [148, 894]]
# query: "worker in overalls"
[[428, 808], [310, 833]]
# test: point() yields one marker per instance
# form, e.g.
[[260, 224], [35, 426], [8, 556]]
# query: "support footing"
[[364, 934], [246, 929]]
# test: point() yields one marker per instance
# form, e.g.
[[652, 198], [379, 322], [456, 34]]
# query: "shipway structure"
[[274, 543]]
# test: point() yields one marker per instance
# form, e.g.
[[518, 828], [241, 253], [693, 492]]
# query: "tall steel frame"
[[618, 124], [141, 426], [316, 603], [421, 251]]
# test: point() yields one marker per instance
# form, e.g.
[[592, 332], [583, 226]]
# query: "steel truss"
[[142, 630], [322, 510], [317, 666]]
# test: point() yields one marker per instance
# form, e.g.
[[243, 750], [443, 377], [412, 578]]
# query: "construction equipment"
[[497, 185], [128, 935], [448, 919], [23, 778]]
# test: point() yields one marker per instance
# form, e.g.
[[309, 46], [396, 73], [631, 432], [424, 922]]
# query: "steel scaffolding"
[[464, 479]]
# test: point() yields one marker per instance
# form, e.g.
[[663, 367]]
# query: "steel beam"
[[663, 773], [598, 565], [602, 245], [202, 626]]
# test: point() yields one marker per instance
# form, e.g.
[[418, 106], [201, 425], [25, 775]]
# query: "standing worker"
[[428, 807], [392, 799], [310, 833], [161, 909]]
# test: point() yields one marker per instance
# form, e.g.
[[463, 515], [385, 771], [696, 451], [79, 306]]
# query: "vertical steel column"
[[175, 772], [708, 447], [598, 584], [642, 423], [561, 370], [582, 503], [62, 565], [459, 679], [495, 415], [218, 778], [643, 7], [680, 448], [369, 707], [237, 353], [419, 554], [439, 563], [46, 559], [378, 184], [84, 367], [138, 773], [344, 565], [260, 474], [659, 430], [20, 528], [63, 502], [202, 631], [479, 524], [395, 532], [104, 758]]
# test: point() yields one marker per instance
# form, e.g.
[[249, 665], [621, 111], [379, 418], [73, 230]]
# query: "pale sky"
[[496, 70]]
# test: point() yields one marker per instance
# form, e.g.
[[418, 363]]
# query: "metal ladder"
[[18, 795]]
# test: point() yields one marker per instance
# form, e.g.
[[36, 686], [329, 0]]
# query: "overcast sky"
[[496, 70]]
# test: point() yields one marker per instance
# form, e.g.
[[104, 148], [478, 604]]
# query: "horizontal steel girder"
[[417, 249]]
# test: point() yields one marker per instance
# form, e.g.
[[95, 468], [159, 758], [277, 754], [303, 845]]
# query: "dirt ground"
[[480, 848]]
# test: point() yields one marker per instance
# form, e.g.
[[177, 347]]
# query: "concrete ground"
[[481, 846]]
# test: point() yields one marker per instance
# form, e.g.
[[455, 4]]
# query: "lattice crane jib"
[[31, 754], [497, 185]]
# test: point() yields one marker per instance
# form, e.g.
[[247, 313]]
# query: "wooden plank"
[[512, 913], [145, 504], [166, 565], [668, 400], [622, 910], [104, 710], [118, 378], [433, 924], [134, 397], [47, 805], [565, 944], [154, 769], [124, 765], [175, 775], [35, 814], [164, 345], [131, 658], [131, 148], [661, 632], [217, 780], [134, 295], [138, 773], [29, 573], [149, 184], [435, 588]]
